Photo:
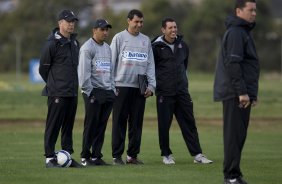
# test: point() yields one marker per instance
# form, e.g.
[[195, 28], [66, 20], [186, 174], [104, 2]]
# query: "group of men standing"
[[108, 78]]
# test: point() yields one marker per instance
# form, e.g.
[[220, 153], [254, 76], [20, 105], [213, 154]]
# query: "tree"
[[118, 22], [155, 11], [267, 49], [206, 28], [30, 24], [202, 26]]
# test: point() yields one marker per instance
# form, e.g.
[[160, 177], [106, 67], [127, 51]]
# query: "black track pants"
[[236, 121], [95, 123], [182, 107], [61, 116], [128, 108]]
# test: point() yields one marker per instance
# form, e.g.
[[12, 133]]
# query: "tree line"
[[201, 24]]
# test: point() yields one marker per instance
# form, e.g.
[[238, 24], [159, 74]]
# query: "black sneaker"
[[136, 161], [238, 180], [90, 162], [99, 162], [87, 162], [75, 164], [52, 163], [118, 161]]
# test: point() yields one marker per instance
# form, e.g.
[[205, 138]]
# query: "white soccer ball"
[[63, 158]]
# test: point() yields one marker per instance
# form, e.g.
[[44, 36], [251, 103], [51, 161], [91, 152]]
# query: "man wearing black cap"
[[58, 68], [98, 91]]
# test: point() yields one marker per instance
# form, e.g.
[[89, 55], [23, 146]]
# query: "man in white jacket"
[[97, 86], [131, 56]]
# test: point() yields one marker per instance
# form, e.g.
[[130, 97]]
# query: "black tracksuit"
[[172, 94], [129, 106], [98, 108], [58, 68], [237, 73]]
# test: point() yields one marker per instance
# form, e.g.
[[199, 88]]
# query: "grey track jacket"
[[95, 69], [132, 55]]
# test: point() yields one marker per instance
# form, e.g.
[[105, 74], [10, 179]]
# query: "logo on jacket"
[[144, 43], [92, 99], [103, 65], [180, 46], [57, 100], [161, 100], [134, 56]]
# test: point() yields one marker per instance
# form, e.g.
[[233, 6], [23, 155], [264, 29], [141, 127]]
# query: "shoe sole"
[[197, 162], [138, 163], [169, 163]]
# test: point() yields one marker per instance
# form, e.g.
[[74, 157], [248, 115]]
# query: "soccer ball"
[[63, 158]]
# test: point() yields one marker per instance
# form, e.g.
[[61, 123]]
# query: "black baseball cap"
[[101, 23], [67, 15]]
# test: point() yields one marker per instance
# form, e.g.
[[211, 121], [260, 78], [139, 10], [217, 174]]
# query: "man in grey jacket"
[[97, 86], [131, 55]]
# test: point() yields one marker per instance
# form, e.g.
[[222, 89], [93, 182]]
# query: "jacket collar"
[[56, 35], [233, 21], [161, 39]]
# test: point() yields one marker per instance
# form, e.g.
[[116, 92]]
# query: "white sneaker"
[[168, 160], [202, 159]]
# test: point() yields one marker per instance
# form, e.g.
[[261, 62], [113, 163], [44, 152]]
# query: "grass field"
[[22, 160], [21, 100], [23, 111]]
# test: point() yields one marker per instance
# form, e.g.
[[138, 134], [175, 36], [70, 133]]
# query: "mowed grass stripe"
[[22, 159]]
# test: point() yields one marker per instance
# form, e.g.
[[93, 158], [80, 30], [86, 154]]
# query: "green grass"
[[21, 141], [21, 100], [22, 160]]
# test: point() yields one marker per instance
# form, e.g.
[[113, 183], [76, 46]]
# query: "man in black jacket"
[[236, 85], [171, 60], [58, 68]]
